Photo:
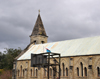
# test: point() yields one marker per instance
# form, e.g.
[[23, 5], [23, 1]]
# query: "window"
[[90, 58], [35, 42], [85, 70], [81, 69], [90, 66], [60, 71], [50, 72], [23, 72], [63, 69], [71, 58], [54, 71], [31, 72], [98, 72], [42, 42], [36, 72], [44, 72], [66, 72], [77, 71], [18, 73]]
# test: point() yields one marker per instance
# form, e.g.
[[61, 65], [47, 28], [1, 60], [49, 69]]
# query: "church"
[[80, 58]]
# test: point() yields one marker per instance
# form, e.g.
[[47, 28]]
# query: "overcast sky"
[[62, 19]]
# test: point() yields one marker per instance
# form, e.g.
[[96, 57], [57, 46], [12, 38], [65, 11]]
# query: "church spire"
[[38, 35], [39, 27]]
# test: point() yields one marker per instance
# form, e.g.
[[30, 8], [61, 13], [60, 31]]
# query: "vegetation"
[[1, 70], [6, 62], [7, 74]]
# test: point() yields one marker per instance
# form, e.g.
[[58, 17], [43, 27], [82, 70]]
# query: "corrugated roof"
[[83, 46]]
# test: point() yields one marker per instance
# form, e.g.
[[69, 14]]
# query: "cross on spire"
[[39, 11]]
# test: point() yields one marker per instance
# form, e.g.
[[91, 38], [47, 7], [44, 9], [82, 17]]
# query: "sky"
[[62, 19]]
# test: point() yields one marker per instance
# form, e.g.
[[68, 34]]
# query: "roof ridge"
[[69, 40]]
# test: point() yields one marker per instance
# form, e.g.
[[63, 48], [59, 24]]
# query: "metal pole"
[[59, 67], [48, 63]]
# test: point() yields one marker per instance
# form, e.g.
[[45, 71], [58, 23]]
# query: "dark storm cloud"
[[63, 20]]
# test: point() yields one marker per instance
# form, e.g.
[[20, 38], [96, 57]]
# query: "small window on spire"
[[35, 42], [42, 42]]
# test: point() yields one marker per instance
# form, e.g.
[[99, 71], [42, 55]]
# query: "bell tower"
[[38, 35]]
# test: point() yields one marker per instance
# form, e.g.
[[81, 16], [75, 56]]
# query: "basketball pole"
[[59, 67], [48, 63]]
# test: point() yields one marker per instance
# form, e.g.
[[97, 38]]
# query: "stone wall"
[[87, 66], [38, 39]]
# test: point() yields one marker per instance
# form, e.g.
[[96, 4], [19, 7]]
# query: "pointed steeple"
[[38, 35], [39, 27]]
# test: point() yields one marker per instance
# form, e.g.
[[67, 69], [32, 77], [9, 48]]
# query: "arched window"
[[18, 73], [66, 71], [31, 72], [81, 69], [21, 71], [42, 42], [85, 70], [54, 71], [36, 72], [98, 71], [35, 42], [77, 71], [50, 72], [63, 66], [60, 71], [44, 72]]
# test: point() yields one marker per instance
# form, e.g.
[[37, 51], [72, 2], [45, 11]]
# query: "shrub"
[[6, 74], [1, 71]]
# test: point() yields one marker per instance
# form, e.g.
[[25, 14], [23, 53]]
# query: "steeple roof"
[[39, 27]]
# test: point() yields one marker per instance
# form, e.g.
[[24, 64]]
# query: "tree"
[[7, 58]]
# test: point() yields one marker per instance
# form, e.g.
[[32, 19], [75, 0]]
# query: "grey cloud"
[[63, 20]]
